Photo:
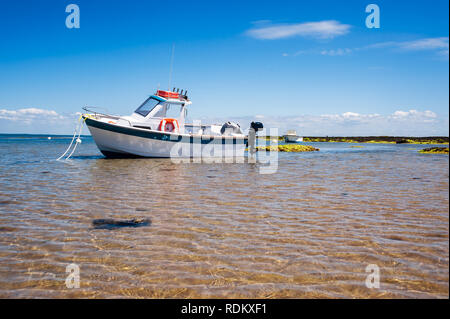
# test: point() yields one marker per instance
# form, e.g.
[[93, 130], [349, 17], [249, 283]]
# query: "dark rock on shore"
[[113, 223]]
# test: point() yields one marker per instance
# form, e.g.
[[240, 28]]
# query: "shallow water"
[[224, 230]]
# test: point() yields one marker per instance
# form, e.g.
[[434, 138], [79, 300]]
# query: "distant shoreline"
[[373, 139]]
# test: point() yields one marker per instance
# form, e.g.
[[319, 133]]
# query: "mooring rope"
[[77, 141], [78, 131]]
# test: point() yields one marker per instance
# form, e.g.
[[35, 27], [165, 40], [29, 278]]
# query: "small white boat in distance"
[[157, 129], [292, 137]]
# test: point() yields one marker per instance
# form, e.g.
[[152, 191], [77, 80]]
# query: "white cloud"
[[399, 123], [413, 114], [35, 121], [425, 44], [350, 115], [399, 114], [320, 30], [336, 52], [27, 114], [439, 45]]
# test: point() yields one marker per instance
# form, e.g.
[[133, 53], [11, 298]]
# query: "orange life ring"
[[169, 125]]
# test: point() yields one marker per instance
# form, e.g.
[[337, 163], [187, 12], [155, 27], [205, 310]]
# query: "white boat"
[[157, 129], [292, 137]]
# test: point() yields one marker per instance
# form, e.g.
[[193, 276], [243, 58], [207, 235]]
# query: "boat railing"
[[93, 110]]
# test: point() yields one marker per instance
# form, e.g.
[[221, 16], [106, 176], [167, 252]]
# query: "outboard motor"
[[254, 127], [230, 128], [257, 126]]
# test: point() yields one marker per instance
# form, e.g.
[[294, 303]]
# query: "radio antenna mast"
[[171, 66]]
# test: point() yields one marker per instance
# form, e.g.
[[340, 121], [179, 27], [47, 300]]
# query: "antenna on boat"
[[171, 66]]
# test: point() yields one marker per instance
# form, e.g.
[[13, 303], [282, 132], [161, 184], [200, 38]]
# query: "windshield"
[[169, 110], [147, 106]]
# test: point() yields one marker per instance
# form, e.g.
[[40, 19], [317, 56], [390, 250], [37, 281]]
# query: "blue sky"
[[313, 66]]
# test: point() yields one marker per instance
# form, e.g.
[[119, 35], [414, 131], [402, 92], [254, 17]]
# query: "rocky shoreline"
[[381, 139], [435, 150], [370, 139]]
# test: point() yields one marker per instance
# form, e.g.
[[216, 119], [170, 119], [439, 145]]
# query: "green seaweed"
[[287, 148], [435, 150]]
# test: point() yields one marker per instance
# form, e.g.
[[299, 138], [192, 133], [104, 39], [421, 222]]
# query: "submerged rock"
[[113, 223]]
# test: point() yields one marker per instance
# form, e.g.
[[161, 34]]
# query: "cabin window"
[[173, 111], [148, 105], [169, 111]]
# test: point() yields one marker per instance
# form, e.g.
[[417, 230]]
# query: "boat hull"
[[293, 139], [117, 141]]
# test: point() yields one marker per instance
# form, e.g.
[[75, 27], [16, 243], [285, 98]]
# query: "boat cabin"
[[166, 111], [164, 105]]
